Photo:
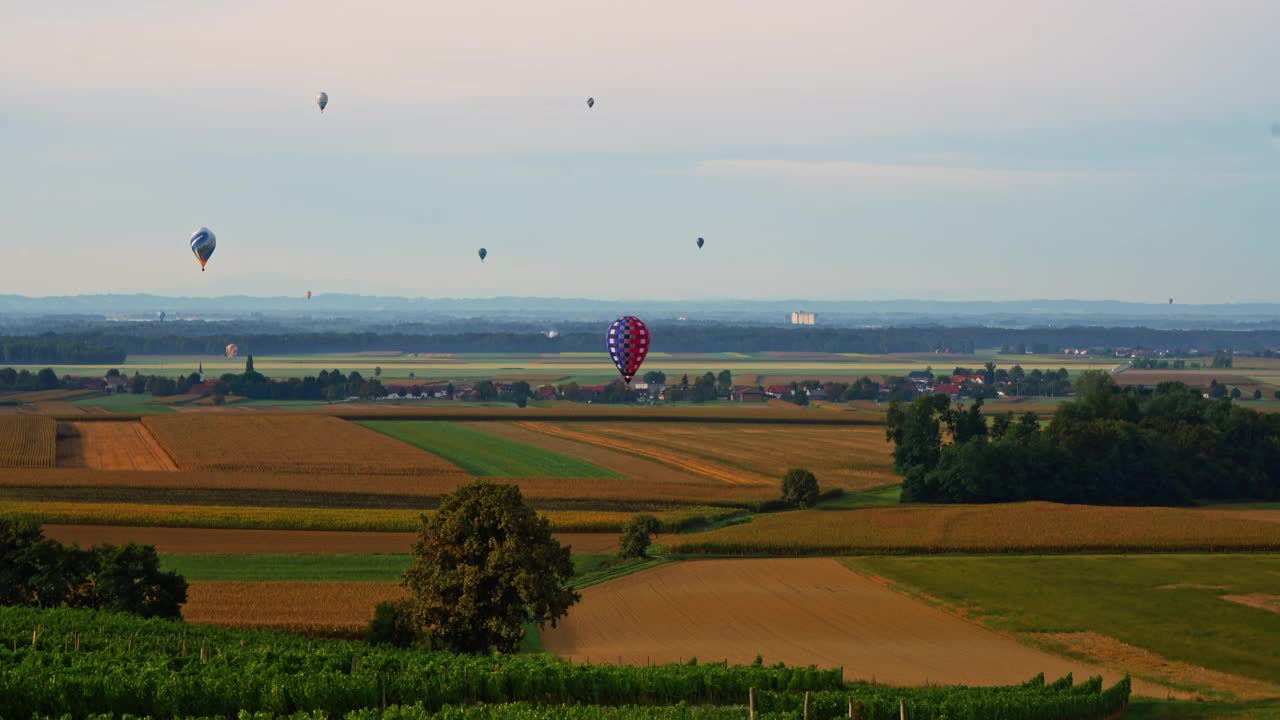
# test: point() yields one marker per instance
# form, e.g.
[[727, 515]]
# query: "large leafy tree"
[[484, 566], [41, 572]]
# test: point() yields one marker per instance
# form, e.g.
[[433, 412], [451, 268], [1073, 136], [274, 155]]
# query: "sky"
[[824, 149]]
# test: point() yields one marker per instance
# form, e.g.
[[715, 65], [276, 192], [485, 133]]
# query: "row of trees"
[[17, 380], [1110, 445], [106, 343], [39, 572], [58, 350]]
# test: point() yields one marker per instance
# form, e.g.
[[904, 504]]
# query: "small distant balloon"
[[162, 316], [322, 100], [591, 102], [483, 254], [233, 350], [308, 294], [628, 343], [203, 243], [1170, 301], [700, 242]]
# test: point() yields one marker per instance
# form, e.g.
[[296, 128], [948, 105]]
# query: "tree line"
[[1167, 445], [58, 350], [105, 345]]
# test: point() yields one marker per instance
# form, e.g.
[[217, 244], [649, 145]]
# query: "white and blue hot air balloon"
[[203, 243]]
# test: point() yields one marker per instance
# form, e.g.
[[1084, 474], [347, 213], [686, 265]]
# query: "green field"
[[1143, 709], [1168, 604], [125, 403], [208, 567], [486, 455]]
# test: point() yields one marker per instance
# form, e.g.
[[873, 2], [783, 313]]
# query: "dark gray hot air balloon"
[[700, 242], [483, 254], [322, 99], [591, 102]]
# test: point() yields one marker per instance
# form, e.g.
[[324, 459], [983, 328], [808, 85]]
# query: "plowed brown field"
[[323, 606], [799, 612], [643, 494], [852, 457], [200, 540], [110, 446], [288, 444]]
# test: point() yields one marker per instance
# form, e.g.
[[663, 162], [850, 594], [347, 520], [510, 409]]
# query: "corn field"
[[28, 441]]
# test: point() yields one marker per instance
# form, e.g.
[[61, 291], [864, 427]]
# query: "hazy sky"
[[833, 150]]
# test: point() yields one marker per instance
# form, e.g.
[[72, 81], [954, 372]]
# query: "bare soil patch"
[[801, 611], [110, 446], [198, 540], [1261, 601]]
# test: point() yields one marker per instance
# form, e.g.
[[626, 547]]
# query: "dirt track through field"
[[802, 611], [198, 540], [110, 446]]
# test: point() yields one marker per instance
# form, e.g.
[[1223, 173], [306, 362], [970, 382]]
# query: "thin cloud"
[[844, 172]]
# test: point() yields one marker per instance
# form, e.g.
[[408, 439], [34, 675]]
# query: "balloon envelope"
[[700, 241], [483, 254], [591, 102], [203, 243], [322, 99], [308, 294], [628, 343], [233, 350]]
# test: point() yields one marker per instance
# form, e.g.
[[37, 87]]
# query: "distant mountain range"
[[830, 312]]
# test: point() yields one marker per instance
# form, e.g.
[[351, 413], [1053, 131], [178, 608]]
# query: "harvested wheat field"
[[300, 606], [28, 441], [1003, 528], [287, 542], [288, 444], [800, 612], [646, 476], [853, 457], [110, 446]]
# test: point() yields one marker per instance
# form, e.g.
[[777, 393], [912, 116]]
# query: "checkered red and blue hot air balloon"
[[628, 341]]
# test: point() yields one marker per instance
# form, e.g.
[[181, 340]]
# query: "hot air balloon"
[[1170, 301], [591, 102], [308, 294], [233, 350], [203, 242], [700, 242], [628, 343], [483, 254], [322, 99]]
